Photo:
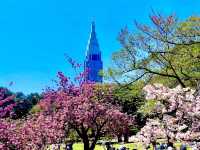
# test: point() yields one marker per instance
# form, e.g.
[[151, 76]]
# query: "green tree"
[[24, 104], [130, 98], [167, 51]]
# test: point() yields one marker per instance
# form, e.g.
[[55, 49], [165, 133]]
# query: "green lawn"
[[138, 146], [79, 146]]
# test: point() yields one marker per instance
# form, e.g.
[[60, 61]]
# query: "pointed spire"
[[93, 45], [93, 27], [93, 63]]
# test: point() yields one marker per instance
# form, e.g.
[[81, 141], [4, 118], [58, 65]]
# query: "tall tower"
[[93, 63]]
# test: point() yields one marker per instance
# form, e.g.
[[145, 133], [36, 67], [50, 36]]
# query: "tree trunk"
[[119, 138], [154, 145], [86, 144], [94, 142], [93, 145], [126, 137]]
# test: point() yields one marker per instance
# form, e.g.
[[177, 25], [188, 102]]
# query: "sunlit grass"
[[79, 146], [138, 146]]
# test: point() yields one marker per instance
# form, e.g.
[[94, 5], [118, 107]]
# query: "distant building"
[[93, 63]]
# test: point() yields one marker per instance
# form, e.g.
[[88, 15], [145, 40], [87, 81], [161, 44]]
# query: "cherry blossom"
[[178, 112], [85, 108], [6, 102]]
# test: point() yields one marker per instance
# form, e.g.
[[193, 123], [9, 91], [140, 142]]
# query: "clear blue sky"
[[35, 34]]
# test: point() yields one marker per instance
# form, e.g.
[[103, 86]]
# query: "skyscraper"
[[93, 63]]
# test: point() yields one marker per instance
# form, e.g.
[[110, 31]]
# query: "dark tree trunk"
[[93, 145], [96, 137], [86, 144], [126, 137], [154, 145], [119, 138]]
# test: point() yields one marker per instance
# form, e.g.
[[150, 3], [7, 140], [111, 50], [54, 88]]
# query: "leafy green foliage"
[[167, 51], [25, 103], [129, 97], [148, 108]]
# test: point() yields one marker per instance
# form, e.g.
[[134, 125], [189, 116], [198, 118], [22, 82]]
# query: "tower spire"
[[93, 26], [93, 61], [93, 45]]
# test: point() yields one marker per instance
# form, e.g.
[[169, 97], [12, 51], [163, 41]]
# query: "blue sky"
[[35, 34]]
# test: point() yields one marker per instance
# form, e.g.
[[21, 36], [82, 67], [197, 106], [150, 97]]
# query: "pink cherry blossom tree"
[[85, 109], [41, 130], [177, 113], [6, 102], [6, 129], [149, 134], [80, 106], [36, 132]]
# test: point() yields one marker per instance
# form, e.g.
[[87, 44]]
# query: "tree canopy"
[[166, 51]]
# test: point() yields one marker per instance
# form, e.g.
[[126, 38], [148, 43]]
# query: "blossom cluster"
[[6, 103], [178, 114], [83, 108]]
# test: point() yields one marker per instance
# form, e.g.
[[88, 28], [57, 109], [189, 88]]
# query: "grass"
[[138, 146], [79, 146]]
